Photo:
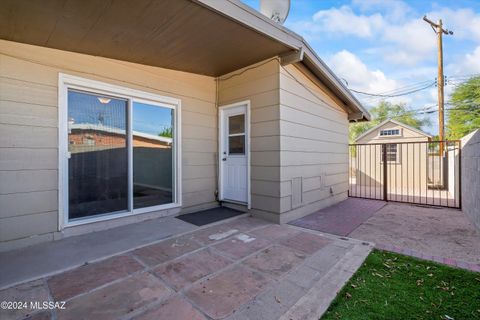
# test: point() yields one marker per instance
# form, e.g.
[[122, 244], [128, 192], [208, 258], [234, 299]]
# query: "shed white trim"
[[395, 122]]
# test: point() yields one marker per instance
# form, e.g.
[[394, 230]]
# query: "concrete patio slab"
[[187, 270], [87, 277], [342, 218], [221, 295], [201, 275], [306, 242], [241, 245], [434, 231], [438, 234], [275, 260], [54, 257], [175, 308], [117, 300], [166, 250]]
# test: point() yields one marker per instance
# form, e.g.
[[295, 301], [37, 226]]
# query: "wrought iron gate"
[[415, 172]]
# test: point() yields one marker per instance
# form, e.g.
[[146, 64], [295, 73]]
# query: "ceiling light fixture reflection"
[[104, 100]]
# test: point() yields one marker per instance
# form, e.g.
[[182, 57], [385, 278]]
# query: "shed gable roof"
[[403, 125]]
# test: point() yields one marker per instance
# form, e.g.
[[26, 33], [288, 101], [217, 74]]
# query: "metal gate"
[[414, 172]]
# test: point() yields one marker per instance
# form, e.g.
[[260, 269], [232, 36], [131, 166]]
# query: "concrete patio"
[[434, 233], [242, 268]]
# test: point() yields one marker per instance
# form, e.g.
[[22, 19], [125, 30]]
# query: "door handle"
[[224, 159]]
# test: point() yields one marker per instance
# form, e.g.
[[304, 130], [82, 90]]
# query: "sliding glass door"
[[98, 164], [152, 155], [121, 155]]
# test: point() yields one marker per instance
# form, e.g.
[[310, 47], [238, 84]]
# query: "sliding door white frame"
[[66, 82]]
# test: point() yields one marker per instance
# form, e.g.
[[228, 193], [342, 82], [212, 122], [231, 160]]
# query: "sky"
[[384, 46]]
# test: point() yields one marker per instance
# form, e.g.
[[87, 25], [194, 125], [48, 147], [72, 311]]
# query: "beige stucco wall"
[[29, 142]]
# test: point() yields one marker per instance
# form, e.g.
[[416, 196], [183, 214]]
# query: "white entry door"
[[234, 151]]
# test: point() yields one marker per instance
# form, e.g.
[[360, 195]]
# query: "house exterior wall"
[[313, 145], [260, 85], [299, 143], [29, 137]]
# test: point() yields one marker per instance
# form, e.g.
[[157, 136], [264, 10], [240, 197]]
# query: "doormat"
[[202, 218]]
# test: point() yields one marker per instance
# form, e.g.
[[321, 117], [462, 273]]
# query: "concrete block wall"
[[471, 177]]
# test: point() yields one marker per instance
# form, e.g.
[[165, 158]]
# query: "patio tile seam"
[[470, 266], [330, 236]]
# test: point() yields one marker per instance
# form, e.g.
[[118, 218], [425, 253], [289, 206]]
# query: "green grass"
[[392, 286]]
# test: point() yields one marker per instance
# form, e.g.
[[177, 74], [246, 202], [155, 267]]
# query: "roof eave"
[[253, 19]]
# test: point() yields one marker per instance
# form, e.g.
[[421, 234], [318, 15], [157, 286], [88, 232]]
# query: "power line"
[[394, 95], [405, 88]]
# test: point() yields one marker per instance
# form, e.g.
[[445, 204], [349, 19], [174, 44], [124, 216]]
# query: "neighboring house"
[[255, 117]]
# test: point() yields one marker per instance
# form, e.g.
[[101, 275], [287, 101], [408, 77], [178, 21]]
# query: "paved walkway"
[[243, 268], [433, 233]]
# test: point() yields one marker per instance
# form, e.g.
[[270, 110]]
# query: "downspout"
[[217, 79]]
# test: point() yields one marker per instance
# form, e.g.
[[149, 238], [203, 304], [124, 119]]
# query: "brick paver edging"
[[416, 254]]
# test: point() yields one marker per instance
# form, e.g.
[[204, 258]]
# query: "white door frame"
[[221, 137]]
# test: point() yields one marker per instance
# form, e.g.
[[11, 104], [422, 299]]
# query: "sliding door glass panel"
[[97, 144], [153, 170]]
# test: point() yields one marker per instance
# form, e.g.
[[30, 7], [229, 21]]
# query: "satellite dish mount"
[[277, 10]]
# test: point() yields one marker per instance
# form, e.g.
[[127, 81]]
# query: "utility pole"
[[438, 29]]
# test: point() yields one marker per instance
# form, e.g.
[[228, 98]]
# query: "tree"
[[464, 116], [166, 132], [387, 110]]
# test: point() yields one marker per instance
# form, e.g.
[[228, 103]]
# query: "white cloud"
[[401, 36], [345, 21], [465, 23], [394, 10], [412, 42], [349, 67], [469, 64]]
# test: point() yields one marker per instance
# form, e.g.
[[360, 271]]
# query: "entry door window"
[[236, 134], [121, 155]]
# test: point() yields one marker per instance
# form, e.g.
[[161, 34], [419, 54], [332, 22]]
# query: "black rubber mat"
[[202, 218]]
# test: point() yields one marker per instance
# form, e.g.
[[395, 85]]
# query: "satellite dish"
[[277, 10]]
